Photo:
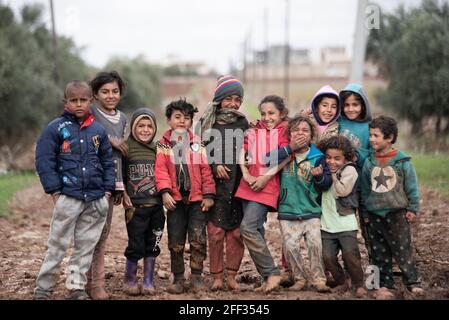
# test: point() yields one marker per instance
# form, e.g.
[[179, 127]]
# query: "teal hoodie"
[[357, 131], [300, 196], [389, 188]]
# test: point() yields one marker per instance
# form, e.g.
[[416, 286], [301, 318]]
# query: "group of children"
[[319, 170]]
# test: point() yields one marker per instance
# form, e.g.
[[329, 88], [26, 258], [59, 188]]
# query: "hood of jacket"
[[366, 108], [138, 115], [326, 90]]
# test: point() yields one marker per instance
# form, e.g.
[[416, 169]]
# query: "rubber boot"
[[148, 276], [131, 286]]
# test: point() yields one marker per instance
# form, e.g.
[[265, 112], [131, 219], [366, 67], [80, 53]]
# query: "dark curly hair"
[[387, 125], [295, 121], [105, 77], [340, 143], [180, 105], [277, 101]]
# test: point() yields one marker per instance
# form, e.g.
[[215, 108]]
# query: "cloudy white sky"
[[212, 31]]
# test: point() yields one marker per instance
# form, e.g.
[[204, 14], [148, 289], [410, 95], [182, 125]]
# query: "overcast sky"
[[199, 30]]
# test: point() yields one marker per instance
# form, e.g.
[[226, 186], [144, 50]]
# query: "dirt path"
[[23, 243]]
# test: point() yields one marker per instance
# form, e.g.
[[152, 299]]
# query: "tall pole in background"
[[55, 45], [265, 57], [287, 51], [360, 40]]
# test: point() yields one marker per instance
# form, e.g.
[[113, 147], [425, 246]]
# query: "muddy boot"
[[230, 280], [148, 276], [197, 283], [131, 286], [177, 287], [218, 282], [95, 286]]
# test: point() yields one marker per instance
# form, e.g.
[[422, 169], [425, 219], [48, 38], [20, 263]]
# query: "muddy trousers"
[[145, 230], [234, 248], [391, 238], [253, 234], [82, 222], [348, 244], [292, 233], [187, 220], [95, 275]]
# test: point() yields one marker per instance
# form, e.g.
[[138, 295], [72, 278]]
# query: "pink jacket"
[[258, 142]]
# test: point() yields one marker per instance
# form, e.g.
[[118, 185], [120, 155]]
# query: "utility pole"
[[245, 58], [287, 51], [360, 40], [55, 45], [265, 56]]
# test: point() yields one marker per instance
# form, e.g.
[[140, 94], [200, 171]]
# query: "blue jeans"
[[252, 231]]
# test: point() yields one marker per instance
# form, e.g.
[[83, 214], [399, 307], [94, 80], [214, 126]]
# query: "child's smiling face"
[[144, 130], [352, 107], [108, 96], [231, 102], [327, 109], [335, 159], [270, 115]]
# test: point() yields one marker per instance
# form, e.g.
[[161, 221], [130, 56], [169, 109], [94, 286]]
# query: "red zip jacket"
[[258, 142], [201, 179]]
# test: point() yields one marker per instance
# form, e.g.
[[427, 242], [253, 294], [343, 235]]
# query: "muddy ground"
[[23, 239]]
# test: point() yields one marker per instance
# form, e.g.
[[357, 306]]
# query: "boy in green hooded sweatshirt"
[[144, 213], [390, 202]]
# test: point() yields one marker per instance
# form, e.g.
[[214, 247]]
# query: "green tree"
[[144, 83], [29, 94], [412, 49]]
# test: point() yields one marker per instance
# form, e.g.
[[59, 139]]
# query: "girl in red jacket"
[[185, 181], [260, 185]]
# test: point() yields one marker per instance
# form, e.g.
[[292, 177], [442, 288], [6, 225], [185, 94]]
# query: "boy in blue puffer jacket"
[[74, 163]]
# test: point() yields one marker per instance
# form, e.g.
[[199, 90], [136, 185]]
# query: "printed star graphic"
[[382, 179]]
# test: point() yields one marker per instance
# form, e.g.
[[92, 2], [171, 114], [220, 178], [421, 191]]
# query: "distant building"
[[329, 62]]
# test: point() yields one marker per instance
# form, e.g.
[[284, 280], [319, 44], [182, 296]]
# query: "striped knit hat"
[[227, 86]]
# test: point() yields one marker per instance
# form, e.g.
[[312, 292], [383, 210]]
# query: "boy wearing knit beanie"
[[224, 218]]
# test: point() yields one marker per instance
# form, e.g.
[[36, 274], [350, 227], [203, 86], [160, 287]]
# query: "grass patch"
[[11, 183], [433, 170]]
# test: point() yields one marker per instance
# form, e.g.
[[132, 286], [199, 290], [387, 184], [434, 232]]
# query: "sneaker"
[[78, 295], [41, 295]]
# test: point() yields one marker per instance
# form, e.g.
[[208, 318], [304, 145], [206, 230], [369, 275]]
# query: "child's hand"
[[306, 112], [222, 172], [298, 143], [410, 216], [260, 183], [317, 171], [119, 144], [249, 178], [253, 124], [107, 195], [55, 197], [118, 197], [206, 204], [127, 201], [168, 201]]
